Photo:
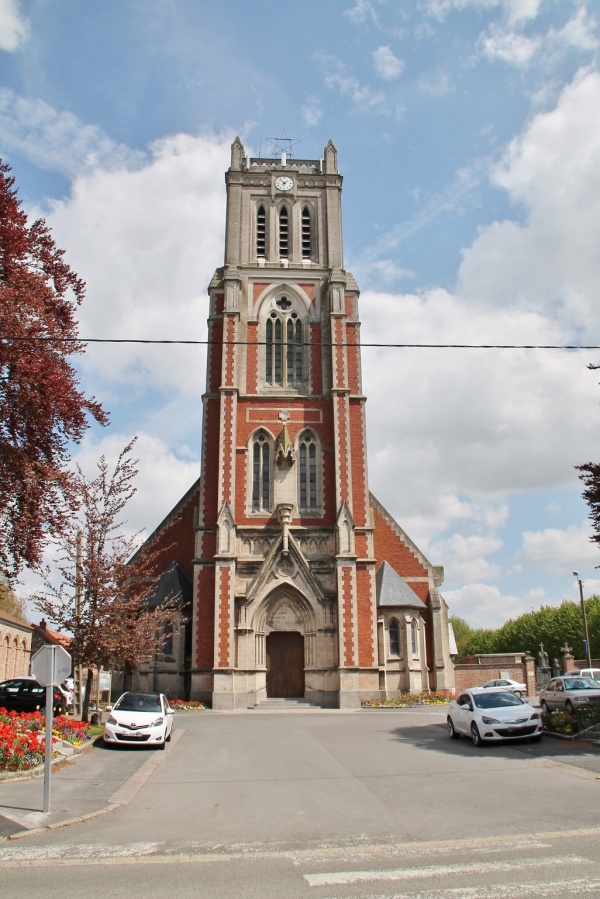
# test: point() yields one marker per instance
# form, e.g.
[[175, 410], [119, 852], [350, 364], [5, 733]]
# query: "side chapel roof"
[[173, 584], [392, 590]]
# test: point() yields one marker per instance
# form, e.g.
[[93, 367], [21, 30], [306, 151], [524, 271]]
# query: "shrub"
[[560, 722], [408, 700], [180, 705]]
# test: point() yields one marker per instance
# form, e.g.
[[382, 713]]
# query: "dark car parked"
[[25, 694]]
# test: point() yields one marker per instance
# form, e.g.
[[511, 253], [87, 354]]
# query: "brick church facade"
[[301, 584]]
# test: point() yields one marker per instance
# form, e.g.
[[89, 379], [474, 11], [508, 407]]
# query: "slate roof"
[[173, 584], [392, 590]]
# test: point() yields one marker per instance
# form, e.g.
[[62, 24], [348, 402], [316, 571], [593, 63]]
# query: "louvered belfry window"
[[284, 232], [306, 234], [261, 232]]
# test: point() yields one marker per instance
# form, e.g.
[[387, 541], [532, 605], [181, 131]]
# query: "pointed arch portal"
[[285, 664]]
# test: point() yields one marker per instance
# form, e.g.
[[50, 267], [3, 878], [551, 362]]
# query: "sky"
[[468, 136]]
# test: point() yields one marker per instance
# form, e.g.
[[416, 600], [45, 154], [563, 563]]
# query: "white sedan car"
[[508, 684], [138, 719], [488, 715]]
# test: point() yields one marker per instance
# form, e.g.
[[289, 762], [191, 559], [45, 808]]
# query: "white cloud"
[[337, 76], [387, 65], [510, 47], [486, 606], [579, 32], [505, 42], [163, 476], [436, 84], [455, 434], [362, 10], [560, 551], [147, 243], [312, 112], [550, 264], [58, 140], [14, 28], [521, 11]]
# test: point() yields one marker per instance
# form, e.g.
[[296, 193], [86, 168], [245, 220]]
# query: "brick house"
[[15, 646], [303, 584]]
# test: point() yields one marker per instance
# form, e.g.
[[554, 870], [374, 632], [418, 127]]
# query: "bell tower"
[[285, 588]]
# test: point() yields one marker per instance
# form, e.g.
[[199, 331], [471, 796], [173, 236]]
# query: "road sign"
[[51, 664]]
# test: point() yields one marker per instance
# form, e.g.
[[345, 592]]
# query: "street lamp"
[[586, 636]]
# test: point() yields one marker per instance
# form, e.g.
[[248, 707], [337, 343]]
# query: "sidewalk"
[[87, 784]]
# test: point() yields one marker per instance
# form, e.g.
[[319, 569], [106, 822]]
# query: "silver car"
[[507, 684], [568, 693]]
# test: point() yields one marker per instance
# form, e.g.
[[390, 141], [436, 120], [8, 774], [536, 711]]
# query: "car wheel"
[[169, 737], [475, 735], [545, 706], [452, 733], [569, 707]]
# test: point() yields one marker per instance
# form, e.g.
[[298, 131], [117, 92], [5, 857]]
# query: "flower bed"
[[569, 725], [22, 745], [408, 701], [180, 705], [71, 731]]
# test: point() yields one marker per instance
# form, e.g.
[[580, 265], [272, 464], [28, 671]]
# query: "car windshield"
[[138, 702], [495, 700], [580, 683]]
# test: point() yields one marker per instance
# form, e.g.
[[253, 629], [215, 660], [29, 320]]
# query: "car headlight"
[[158, 722], [111, 720], [487, 720]]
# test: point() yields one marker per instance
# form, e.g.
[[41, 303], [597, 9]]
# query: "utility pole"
[[78, 673], [586, 636]]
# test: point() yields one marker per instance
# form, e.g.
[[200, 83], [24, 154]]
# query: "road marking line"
[[345, 877]]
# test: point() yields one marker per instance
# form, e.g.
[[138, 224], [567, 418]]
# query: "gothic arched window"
[[308, 464], [261, 473], [261, 232], [306, 234], [414, 637], [394, 632], [284, 232], [284, 348]]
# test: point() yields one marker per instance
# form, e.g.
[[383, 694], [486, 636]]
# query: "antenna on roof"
[[284, 145]]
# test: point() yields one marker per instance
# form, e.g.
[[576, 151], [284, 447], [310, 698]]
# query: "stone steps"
[[284, 704]]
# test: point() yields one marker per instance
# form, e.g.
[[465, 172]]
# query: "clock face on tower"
[[284, 183]]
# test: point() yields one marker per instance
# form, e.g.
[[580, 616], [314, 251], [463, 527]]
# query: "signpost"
[[50, 665]]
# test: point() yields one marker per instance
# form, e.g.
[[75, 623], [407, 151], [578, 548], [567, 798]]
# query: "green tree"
[[10, 602], [462, 633], [551, 625]]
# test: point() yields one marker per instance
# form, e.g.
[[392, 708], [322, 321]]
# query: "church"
[[295, 580]]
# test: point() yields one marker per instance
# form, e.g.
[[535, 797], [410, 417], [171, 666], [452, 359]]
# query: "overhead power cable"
[[436, 346]]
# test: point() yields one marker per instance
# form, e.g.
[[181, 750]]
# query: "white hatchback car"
[[488, 714], [138, 719]]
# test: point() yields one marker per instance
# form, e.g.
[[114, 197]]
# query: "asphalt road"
[[372, 803]]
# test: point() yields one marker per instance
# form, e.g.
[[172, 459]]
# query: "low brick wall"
[[476, 670]]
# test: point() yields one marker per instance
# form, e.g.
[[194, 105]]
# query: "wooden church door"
[[285, 664]]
